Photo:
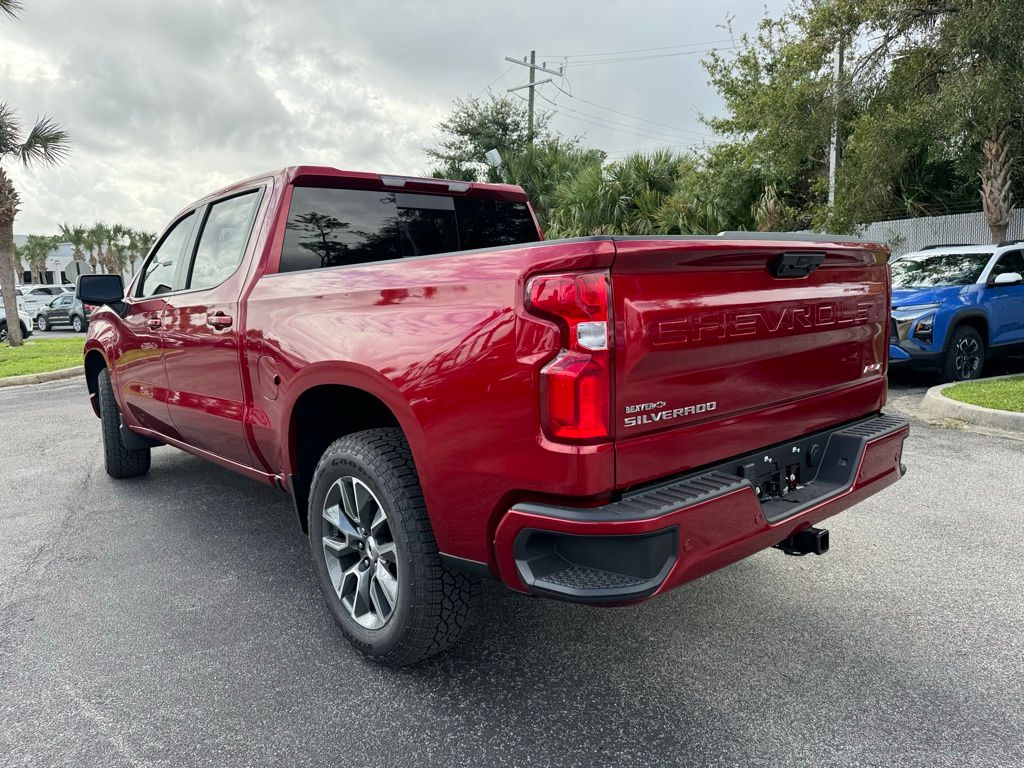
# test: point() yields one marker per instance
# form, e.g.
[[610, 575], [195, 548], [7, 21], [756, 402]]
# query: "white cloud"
[[168, 100]]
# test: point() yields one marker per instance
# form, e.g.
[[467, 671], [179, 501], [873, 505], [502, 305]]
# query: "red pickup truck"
[[446, 396]]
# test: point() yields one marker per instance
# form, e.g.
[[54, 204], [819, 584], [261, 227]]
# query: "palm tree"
[[542, 167], [76, 235], [996, 193], [46, 143], [97, 239], [11, 7], [20, 257], [139, 243], [117, 237], [35, 250]]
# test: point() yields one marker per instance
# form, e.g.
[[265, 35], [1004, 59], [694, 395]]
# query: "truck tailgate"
[[727, 346]]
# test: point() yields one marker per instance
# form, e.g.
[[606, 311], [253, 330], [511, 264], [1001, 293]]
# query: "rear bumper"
[[674, 531]]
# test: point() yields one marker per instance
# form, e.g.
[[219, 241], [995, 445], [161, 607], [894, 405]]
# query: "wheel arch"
[[95, 362], [333, 402], [976, 320]]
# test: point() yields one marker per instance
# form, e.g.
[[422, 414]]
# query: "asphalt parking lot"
[[58, 332], [174, 620]]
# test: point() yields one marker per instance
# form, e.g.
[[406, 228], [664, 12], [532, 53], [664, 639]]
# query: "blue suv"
[[955, 306]]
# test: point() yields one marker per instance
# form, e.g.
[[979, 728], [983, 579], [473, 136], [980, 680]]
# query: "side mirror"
[[1008, 278], [99, 289]]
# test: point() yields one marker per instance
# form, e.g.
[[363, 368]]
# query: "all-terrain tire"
[[120, 461], [434, 604], [965, 355]]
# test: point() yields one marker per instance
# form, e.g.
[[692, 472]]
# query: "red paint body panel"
[[703, 322], [446, 343]]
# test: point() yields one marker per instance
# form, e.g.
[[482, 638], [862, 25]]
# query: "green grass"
[[1004, 394], [40, 355]]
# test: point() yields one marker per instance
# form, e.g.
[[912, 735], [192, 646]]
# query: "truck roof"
[[948, 249], [383, 181]]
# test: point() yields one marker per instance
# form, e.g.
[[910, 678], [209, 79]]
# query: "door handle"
[[219, 320], [154, 323]]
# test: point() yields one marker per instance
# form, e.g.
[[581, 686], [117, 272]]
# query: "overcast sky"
[[171, 99]]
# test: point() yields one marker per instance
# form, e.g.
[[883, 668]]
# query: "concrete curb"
[[40, 378], [938, 405]]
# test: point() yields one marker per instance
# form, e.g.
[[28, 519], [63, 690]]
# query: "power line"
[[639, 50], [609, 122], [588, 119], [598, 62], [633, 117], [487, 87]]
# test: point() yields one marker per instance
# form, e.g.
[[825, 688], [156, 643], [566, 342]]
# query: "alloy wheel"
[[968, 358], [76, 323], [40, 323], [360, 552]]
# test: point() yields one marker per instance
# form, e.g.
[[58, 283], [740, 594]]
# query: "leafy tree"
[[476, 125], [929, 100], [540, 169]]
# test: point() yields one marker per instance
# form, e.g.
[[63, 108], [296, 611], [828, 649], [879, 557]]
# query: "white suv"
[[26, 324], [33, 297]]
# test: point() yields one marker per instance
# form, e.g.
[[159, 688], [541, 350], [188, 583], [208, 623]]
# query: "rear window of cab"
[[338, 227]]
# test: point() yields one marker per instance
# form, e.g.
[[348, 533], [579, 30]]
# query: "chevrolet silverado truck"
[[446, 396]]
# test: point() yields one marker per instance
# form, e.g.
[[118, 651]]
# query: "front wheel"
[[120, 462], [77, 324], [42, 324], [965, 356], [375, 555]]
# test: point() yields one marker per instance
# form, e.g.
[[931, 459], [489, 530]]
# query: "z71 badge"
[[652, 413]]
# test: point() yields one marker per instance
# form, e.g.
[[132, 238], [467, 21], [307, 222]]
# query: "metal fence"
[[906, 235]]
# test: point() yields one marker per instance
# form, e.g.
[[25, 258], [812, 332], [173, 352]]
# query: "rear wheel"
[[77, 324], [965, 355], [42, 323], [120, 461], [375, 555]]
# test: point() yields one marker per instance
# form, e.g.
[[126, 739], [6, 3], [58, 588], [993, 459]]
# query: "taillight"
[[576, 385], [89, 307]]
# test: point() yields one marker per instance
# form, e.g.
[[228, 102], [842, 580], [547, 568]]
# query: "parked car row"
[[42, 307], [32, 298]]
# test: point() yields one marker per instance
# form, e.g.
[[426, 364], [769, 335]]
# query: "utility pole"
[[833, 150], [533, 73], [532, 84]]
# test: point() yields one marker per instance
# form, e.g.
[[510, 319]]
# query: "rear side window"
[[223, 239], [158, 275], [336, 227]]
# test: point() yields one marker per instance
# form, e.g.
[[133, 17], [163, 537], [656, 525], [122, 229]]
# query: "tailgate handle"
[[795, 264]]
